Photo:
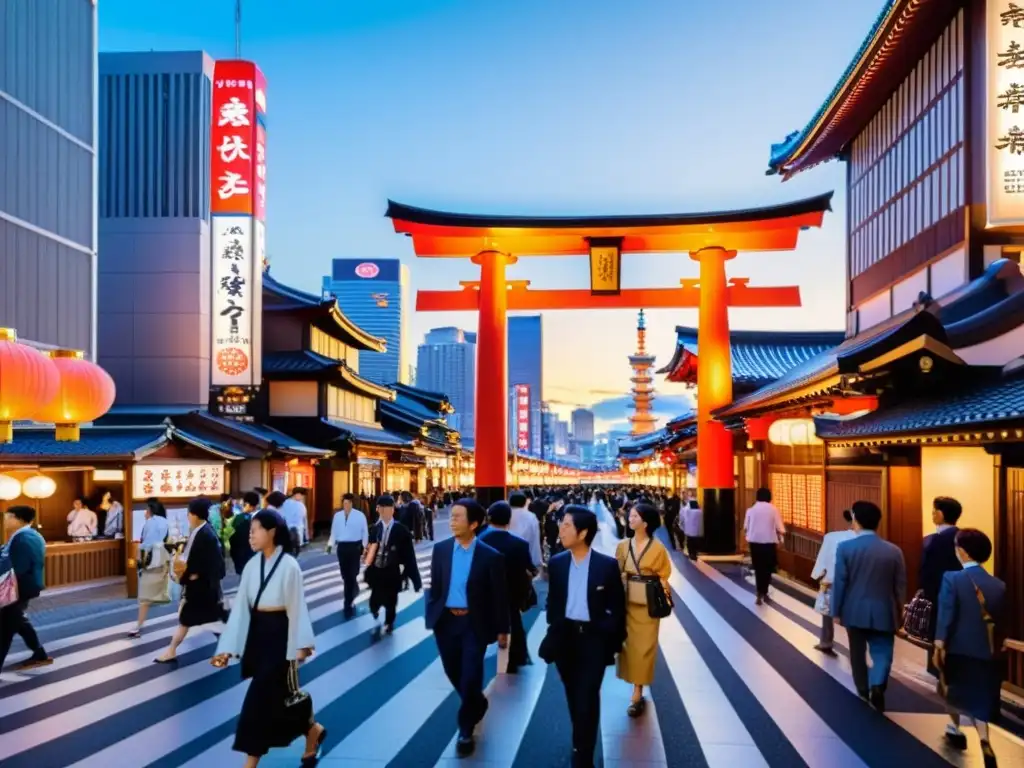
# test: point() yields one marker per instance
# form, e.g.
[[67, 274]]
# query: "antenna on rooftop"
[[238, 29]]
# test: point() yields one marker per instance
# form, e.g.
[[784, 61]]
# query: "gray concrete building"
[[48, 172], [154, 226]]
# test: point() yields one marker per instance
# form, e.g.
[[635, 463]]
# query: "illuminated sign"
[[1004, 113], [238, 204], [605, 266], [177, 481], [522, 411], [367, 270]]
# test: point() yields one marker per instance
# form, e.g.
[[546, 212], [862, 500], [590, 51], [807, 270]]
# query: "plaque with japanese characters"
[[1005, 113], [177, 481], [605, 269]]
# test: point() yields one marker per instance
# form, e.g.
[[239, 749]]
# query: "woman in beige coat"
[[643, 556]]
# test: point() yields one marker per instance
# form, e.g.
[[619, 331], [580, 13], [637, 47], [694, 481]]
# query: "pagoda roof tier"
[[324, 313], [306, 365], [758, 357], [460, 235], [987, 407], [902, 33], [435, 403], [981, 311]]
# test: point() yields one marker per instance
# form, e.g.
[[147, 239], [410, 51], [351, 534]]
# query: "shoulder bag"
[[8, 581], [659, 604]]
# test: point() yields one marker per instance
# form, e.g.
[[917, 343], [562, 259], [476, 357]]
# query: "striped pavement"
[[737, 686]]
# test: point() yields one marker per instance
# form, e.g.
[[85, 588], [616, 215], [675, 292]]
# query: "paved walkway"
[[737, 686]]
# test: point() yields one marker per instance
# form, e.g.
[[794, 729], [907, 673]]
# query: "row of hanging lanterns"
[[35, 487], [58, 387]]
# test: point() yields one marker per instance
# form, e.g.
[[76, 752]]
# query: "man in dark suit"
[[519, 573], [394, 561], [467, 609], [938, 557], [586, 625], [867, 596], [25, 551]]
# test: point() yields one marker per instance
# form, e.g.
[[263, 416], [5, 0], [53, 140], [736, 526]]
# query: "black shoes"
[[956, 739], [465, 745], [877, 698]]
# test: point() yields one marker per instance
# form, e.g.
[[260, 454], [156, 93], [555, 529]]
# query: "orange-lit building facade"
[[924, 396]]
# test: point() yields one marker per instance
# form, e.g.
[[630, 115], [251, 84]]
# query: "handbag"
[[917, 617], [298, 705], [659, 604], [8, 582]]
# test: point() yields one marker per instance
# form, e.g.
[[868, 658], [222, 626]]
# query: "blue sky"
[[533, 106]]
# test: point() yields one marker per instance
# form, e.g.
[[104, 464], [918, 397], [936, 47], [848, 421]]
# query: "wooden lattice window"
[[798, 498]]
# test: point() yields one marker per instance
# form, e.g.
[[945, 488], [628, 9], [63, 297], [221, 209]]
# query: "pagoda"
[[642, 418]]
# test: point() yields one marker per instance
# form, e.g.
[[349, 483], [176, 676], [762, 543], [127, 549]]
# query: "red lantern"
[[668, 456], [27, 378], [86, 392]]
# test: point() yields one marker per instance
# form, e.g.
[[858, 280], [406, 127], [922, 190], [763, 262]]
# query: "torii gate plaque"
[[711, 239]]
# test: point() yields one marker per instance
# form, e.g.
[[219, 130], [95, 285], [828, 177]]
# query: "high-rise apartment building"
[[375, 295], [446, 362], [583, 433], [48, 172], [526, 369], [155, 121]]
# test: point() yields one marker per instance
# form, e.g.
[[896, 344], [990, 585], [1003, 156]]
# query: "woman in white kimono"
[[154, 563], [270, 630]]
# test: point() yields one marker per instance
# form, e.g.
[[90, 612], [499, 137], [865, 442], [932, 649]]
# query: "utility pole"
[[238, 29]]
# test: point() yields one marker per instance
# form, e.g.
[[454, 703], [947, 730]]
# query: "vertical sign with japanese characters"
[[238, 209], [1004, 113], [522, 405]]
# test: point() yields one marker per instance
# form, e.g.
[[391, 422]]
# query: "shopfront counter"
[[80, 561]]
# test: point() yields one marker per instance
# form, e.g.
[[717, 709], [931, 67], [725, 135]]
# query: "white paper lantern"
[[10, 488], [39, 487]]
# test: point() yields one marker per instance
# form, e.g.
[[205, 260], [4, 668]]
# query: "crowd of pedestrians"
[[608, 590]]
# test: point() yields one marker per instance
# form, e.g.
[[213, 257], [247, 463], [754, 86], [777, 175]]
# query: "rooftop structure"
[[642, 419]]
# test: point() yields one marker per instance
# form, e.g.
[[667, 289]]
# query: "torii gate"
[[711, 239]]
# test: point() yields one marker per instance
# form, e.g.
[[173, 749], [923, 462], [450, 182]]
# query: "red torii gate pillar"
[[715, 456], [491, 428]]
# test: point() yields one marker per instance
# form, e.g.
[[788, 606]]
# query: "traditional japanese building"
[[922, 393], [642, 419], [382, 438]]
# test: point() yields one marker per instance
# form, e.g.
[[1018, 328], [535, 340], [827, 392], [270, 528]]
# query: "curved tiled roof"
[[901, 33], [95, 442], [758, 357], [989, 404]]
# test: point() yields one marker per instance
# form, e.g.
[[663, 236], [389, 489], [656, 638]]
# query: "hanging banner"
[[177, 481], [1004, 113]]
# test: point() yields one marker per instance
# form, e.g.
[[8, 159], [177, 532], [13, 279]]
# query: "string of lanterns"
[[58, 387], [35, 487]]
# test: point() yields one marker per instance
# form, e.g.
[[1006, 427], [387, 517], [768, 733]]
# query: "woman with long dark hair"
[[270, 630]]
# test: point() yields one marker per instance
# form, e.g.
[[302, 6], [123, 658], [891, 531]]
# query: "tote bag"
[[8, 582]]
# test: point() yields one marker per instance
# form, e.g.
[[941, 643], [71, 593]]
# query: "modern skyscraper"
[[446, 362], [375, 295], [583, 425], [154, 226], [526, 368], [642, 419], [48, 176]]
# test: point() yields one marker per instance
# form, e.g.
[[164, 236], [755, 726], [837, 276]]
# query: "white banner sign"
[[235, 302], [1004, 113], [177, 481]]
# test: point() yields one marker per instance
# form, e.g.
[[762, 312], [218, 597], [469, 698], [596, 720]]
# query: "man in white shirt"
[[82, 522], [825, 571], [526, 526], [764, 529], [294, 513], [350, 534]]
